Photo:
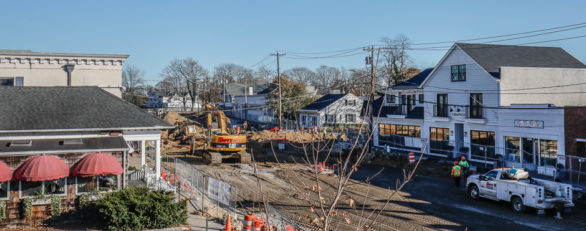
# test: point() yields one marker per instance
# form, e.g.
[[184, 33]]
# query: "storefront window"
[[439, 140], [482, 144], [394, 134], [107, 183], [548, 152], [31, 188], [55, 186], [104, 183], [4, 188], [86, 184], [37, 188], [512, 150]]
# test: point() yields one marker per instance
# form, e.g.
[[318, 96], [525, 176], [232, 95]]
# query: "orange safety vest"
[[456, 171]]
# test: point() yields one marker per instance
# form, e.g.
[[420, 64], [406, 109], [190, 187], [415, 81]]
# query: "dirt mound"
[[298, 137], [174, 117]]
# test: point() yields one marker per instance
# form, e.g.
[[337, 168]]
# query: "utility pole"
[[371, 98], [279, 81]]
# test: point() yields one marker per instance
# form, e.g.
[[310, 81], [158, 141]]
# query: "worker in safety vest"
[[464, 166], [456, 173]]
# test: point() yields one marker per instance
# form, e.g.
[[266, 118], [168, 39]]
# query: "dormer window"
[[458, 73]]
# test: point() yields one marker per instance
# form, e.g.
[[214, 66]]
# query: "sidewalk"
[[197, 222]]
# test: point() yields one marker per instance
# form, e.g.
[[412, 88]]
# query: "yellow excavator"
[[221, 144]]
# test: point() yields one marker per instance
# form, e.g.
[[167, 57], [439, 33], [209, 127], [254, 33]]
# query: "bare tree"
[[132, 80], [230, 73], [264, 74], [185, 75], [300, 74], [396, 59]]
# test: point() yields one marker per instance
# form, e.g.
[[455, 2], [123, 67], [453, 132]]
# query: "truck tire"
[[517, 204], [473, 192]]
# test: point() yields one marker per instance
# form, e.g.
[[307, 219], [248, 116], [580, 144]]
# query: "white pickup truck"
[[515, 186]]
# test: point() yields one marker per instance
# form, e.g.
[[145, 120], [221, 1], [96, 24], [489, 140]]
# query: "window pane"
[[19, 81], [7, 82], [4, 189], [108, 183], [31, 188], [86, 184], [55, 186]]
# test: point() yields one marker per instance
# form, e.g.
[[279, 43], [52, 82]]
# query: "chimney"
[[68, 68]]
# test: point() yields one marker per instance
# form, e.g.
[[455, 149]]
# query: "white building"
[[497, 102], [172, 102], [331, 110], [28, 68], [248, 102]]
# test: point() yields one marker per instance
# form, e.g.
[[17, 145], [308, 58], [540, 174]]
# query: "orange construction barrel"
[[411, 158]]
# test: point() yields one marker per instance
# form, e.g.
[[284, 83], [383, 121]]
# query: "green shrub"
[[82, 201], [2, 210], [26, 206], [55, 205], [138, 208]]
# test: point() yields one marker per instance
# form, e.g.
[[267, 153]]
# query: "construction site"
[[292, 179]]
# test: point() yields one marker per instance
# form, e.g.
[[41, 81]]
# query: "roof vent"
[[71, 141], [21, 143]]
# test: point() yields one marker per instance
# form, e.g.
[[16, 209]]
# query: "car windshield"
[[491, 175]]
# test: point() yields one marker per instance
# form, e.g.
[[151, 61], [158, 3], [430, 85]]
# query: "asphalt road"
[[450, 203]]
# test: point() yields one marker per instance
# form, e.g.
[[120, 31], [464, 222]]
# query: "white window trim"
[[97, 186], [42, 190]]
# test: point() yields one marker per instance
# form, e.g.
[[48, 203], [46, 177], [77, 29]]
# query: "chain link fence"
[[206, 193]]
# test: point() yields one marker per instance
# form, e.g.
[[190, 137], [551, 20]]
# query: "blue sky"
[[245, 32]]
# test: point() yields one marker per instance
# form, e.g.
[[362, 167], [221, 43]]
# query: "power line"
[[500, 36], [324, 52]]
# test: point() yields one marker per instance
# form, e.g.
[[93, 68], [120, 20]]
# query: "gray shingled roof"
[[492, 57], [69, 108], [323, 102], [414, 81], [236, 89]]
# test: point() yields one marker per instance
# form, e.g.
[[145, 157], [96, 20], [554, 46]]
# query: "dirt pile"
[[298, 137], [174, 117]]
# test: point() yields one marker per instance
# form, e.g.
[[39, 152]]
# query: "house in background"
[[48, 135], [164, 102], [331, 110], [28, 68], [248, 102]]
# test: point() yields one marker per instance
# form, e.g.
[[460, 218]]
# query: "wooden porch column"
[[142, 153], [158, 158]]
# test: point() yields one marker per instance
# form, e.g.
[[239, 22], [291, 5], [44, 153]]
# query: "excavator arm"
[[221, 118]]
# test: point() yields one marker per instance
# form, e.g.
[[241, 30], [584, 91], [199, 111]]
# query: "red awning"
[[5, 173], [41, 168], [97, 164]]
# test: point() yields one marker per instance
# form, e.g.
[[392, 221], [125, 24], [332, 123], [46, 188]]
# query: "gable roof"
[[323, 102], [237, 89], [414, 81], [69, 108], [491, 57]]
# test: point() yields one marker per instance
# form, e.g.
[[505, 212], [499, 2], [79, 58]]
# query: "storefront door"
[[529, 151]]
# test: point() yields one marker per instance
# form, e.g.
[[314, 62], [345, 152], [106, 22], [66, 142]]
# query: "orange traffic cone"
[[228, 224]]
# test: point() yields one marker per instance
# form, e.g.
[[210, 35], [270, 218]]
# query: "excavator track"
[[212, 157], [244, 157]]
